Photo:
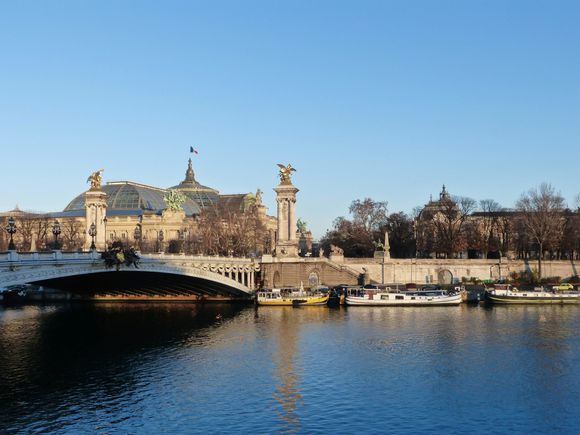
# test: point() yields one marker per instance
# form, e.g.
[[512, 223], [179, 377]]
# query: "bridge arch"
[[179, 277]]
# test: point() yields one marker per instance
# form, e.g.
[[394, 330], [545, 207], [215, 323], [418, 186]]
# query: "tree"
[[356, 236], [541, 210], [489, 223], [371, 215], [445, 225], [401, 235]]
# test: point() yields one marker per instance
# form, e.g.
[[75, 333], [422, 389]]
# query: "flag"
[[191, 150]]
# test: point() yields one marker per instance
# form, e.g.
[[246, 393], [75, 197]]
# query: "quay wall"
[[423, 271], [340, 270]]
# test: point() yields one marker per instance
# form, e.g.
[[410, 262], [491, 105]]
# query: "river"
[[182, 368]]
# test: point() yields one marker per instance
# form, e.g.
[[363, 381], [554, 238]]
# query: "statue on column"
[[95, 179], [285, 173], [259, 197]]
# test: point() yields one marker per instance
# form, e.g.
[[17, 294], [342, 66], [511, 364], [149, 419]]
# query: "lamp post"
[[105, 223], [56, 232], [93, 232], [160, 238], [11, 229], [137, 235], [182, 237]]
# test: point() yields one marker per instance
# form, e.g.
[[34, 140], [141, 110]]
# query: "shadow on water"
[[49, 353]]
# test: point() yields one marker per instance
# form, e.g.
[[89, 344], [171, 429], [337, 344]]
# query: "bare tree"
[[541, 213], [489, 223], [368, 213], [449, 224], [72, 234], [356, 236]]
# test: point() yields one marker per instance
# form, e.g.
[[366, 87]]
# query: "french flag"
[[191, 150]]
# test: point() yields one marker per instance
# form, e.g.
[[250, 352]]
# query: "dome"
[[125, 195], [202, 195]]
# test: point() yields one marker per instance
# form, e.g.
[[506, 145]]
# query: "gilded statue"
[[259, 197], [285, 173], [95, 179]]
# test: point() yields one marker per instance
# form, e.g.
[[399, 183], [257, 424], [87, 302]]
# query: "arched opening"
[[444, 277]]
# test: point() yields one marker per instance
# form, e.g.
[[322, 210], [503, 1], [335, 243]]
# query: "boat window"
[[384, 296], [399, 297], [413, 298]]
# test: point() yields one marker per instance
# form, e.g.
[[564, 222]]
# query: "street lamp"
[[105, 223], [11, 229], [160, 238], [56, 232], [93, 232], [137, 235], [182, 237]]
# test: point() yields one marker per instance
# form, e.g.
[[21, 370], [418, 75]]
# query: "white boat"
[[404, 298], [506, 294]]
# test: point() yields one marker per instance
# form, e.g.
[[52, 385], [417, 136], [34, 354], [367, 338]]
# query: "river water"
[[175, 368]]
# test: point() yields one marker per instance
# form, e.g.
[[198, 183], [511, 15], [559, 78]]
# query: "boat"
[[506, 294], [14, 294], [390, 297], [291, 297]]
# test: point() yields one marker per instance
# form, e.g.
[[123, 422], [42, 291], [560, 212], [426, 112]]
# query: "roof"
[[126, 197], [204, 196]]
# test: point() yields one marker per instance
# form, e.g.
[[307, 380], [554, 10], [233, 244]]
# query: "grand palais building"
[[188, 217]]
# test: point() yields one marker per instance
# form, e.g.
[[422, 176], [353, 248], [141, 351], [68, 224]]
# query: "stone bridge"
[[157, 276]]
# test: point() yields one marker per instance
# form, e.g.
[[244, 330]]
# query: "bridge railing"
[[12, 258]]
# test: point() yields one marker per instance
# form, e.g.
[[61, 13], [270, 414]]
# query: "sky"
[[381, 99]]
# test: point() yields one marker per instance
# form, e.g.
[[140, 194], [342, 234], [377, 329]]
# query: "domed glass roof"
[[125, 195], [202, 195]]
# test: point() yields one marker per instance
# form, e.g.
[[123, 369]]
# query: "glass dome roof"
[[202, 195], [125, 195]]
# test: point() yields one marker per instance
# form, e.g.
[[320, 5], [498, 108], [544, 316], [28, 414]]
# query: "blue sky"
[[380, 99]]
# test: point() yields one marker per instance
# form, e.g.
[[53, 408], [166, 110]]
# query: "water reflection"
[[53, 357], [172, 368]]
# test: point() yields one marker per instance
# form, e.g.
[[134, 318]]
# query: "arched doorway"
[[444, 277]]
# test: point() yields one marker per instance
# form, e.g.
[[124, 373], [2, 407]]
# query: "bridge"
[[158, 276]]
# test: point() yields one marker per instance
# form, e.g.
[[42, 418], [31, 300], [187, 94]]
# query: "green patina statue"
[[174, 200]]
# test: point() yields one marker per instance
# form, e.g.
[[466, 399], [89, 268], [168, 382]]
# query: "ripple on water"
[[169, 369]]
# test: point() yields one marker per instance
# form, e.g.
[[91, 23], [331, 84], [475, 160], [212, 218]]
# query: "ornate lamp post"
[[105, 222], [11, 229], [160, 238], [93, 232], [137, 234], [56, 232], [182, 238]]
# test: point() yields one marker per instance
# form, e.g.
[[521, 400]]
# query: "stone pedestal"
[[287, 242], [95, 213]]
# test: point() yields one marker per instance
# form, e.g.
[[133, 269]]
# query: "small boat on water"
[[388, 297], [506, 294], [291, 297]]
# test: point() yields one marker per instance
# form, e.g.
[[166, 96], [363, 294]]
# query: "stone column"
[[286, 244], [95, 213]]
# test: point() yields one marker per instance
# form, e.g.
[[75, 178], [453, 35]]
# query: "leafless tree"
[[449, 224], [489, 223], [368, 213], [72, 234], [541, 213]]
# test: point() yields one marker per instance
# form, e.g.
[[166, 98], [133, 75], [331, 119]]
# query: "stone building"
[[152, 218]]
